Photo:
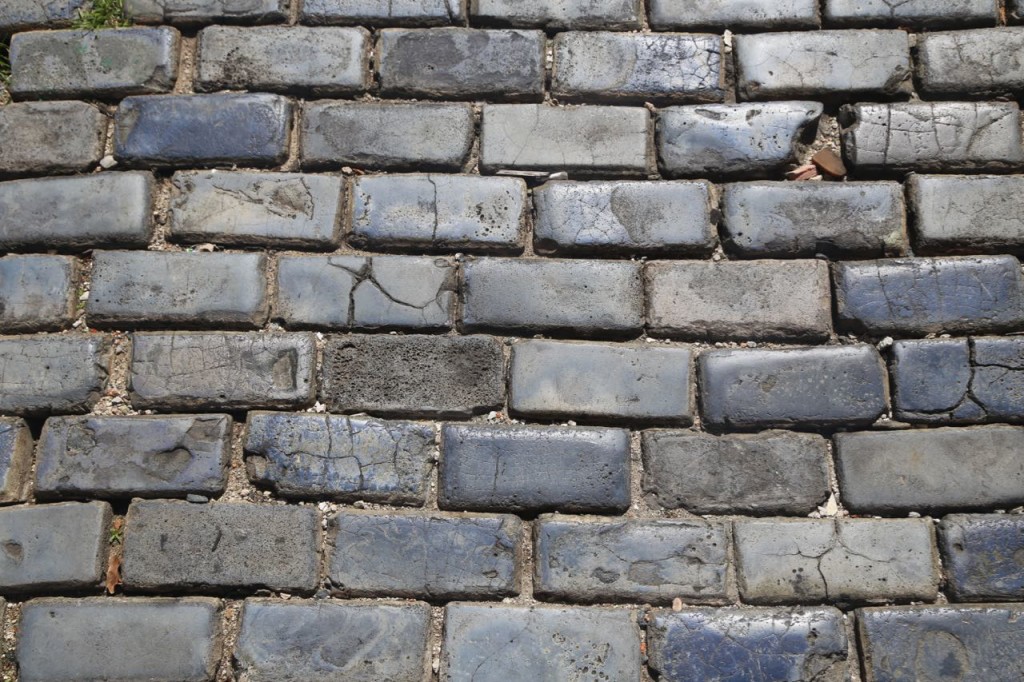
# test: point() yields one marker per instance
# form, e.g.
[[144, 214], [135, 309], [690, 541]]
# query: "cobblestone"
[[53, 137], [37, 293], [966, 214], [191, 12], [752, 15], [383, 12], [917, 13], [981, 555], [15, 460], [559, 14], [52, 374], [22, 15], [973, 63]]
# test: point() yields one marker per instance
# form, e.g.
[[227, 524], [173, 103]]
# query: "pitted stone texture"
[[438, 213], [982, 555], [317, 61], [801, 561], [932, 136], [772, 472], [559, 14], [601, 382], [414, 375], [498, 643], [824, 387], [753, 15], [622, 67], [175, 546], [776, 300], [585, 140], [332, 640], [461, 63], [917, 13], [918, 296], [37, 293], [190, 12], [431, 557], [967, 214], [803, 219], [383, 12], [52, 374], [753, 645], [534, 468], [752, 140], [138, 456], [22, 15], [238, 371], [53, 547], [895, 472], [104, 638], [651, 561], [15, 461], [978, 63], [318, 456], [53, 137], [965, 643], [642, 217]]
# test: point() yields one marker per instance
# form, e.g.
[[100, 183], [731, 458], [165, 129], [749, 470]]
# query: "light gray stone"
[[967, 214], [37, 293], [917, 13], [190, 12], [980, 63], [52, 374], [383, 12], [753, 15], [15, 461], [22, 15], [53, 137], [559, 14]]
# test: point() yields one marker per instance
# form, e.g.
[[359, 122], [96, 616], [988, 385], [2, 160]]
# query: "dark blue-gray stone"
[[383, 12], [206, 11], [52, 374], [983, 556], [22, 15], [998, 381], [37, 293], [931, 379], [559, 14], [750, 15], [15, 459], [918, 13]]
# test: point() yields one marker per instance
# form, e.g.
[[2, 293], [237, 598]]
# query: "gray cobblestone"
[[37, 293], [918, 13], [22, 15], [189, 12], [973, 63], [52, 374], [383, 12], [53, 137], [15, 461], [559, 14], [754, 15], [981, 556], [966, 214]]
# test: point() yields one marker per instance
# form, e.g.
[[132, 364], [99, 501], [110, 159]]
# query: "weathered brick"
[[318, 456], [203, 130], [738, 300], [140, 456], [931, 469], [754, 15], [982, 556], [138, 289], [53, 137], [191, 12], [559, 14], [534, 468], [432, 557], [414, 375], [754, 645], [106, 209], [928, 295], [176, 545], [318, 61], [601, 382], [932, 136], [461, 63], [794, 219], [15, 460], [196, 371], [22, 15], [580, 140], [753, 140], [53, 547], [383, 12], [972, 63], [37, 293], [438, 212], [652, 561], [966, 214], [328, 639], [918, 13], [636, 67], [642, 217], [802, 561], [52, 374], [485, 643], [95, 64], [274, 209], [112, 638], [824, 386], [772, 472]]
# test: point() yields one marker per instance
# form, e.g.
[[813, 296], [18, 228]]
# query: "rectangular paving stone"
[[316, 61], [113, 638], [323, 456], [803, 219], [53, 137], [981, 555], [800, 561], [177, 545], [413, 375], [931, 469], [461, 63], [919, 296], [23, 15], [274, 209], [191, 12], [771, 472], [580, 140], [932, 136], [203, 130], [383, 12], [37, 293], [138, 456], [972, 63], [650, 561], [53, 547], [94, 64], [225, 371], [966, 214], [559, 14], [629, 217], [738, 300], [433, 212], [533, 468], [139, 289], [328, 639], [624, 67], [429, 557], [753, 15], [601, 382], [823, 387], [52, 374], [15, 460], [917, 13]]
